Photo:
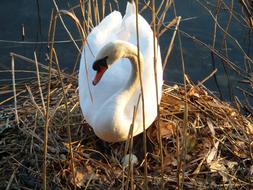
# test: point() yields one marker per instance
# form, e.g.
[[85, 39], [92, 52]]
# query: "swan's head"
[[100, 65], [107, 56]]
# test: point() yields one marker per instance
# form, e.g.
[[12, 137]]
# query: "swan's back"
[[128, 33]]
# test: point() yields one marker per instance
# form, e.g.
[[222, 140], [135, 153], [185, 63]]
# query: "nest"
[[206, 142]]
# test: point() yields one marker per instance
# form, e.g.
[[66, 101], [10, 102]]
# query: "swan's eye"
[[98, 63], [96, 66]]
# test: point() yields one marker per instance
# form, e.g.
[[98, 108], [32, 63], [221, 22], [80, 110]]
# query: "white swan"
[[111, 47]]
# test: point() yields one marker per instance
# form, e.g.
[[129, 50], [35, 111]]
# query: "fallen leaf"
[[190, 142], [194, 93], [212, 154], [82, 175], [249, 127], [211, 127], [167, 129], [240, 149], [218, 166], [231, 164], [197, 170]]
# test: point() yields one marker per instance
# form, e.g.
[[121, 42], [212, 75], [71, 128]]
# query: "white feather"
[[100, 113]]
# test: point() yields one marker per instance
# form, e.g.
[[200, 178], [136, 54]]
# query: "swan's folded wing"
[[105, 31], [128, 33]]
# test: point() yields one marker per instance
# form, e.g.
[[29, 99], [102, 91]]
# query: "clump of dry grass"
[[218, 142], [205, 143]]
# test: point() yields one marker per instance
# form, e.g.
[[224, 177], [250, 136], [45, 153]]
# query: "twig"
[[218, 7], [39, 85], [182, 151], [155, 44], [65, 27], [130, 139], [14, 88], [142, 99], [47, 109], [171, 43], [11, 179], [33, 100], [68, 121], [207, 78]]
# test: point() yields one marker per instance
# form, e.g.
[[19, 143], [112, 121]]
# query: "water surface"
[[34, 17]]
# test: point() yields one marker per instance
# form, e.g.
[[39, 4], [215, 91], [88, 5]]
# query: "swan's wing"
[[128, 33], [102, 34]]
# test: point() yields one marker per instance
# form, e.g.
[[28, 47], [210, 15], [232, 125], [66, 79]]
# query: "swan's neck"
[[134, 79], [133, 84], [120, 105]]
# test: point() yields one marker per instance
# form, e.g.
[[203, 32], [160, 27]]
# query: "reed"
[[213, 120], [47, 118], [143, 101], [14, 88], [197, 141], [155, 45], [39, 84], [201, 105]]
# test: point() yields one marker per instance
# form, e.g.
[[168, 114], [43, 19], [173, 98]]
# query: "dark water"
[[34, 16]]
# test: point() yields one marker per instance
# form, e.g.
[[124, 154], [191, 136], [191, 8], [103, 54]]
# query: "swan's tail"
[[130, 9]]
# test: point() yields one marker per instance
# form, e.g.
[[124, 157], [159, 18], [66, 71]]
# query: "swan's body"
[[113, 44]]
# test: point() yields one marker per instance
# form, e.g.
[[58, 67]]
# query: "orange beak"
[[99, 75]]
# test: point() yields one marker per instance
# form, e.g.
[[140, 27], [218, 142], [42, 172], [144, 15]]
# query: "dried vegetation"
[[218, 143], [206, 143]]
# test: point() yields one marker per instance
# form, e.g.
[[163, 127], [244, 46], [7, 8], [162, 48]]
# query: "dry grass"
[[218, 143], [203, 143], [248, 12]]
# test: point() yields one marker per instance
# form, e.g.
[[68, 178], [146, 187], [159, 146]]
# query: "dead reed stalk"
[[155, 45], [213, 140], [142, 99]]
